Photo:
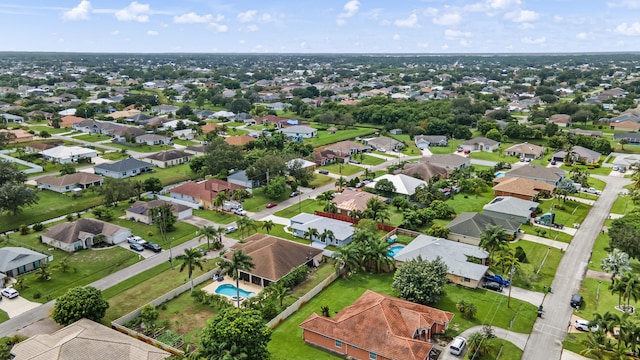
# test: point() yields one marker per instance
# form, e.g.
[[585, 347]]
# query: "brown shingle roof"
[[381, 324], [70, 179], [143, 207], [274, 257], [209, 127], [69, 120], [168, 155], [521, 186], [240, 140], [206, 189], [354, 200], [345, 147], [68, 232], [425, 170]]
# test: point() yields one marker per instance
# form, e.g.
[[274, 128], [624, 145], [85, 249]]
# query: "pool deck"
[[213, 285]]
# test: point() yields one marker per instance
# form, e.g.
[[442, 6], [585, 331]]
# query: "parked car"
[[10, 293], [240, 211], [460, 149], [202, 251], [295, 193], [354, 161], [152, 246], [553, 162], [497, 278], [457, 346], [230, 229], [576, 300], [583, 325], [271, 204], [492, 285], [135, 246], [467, 152], [323, 172], [135, 239]]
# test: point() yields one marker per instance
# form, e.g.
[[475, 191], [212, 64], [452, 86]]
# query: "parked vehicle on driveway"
[[583, 325], [153, 247], [230, 229], [136, 247], [492, 285], [241, 212], [10, 293], [576, 300], [323, 172], [497, 278]]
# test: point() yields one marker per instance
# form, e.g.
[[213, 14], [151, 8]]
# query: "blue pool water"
[[394, 250], [499, 174], [230, 290]]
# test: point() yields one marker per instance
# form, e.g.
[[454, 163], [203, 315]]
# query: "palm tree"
[[507, 260], [356, 215], [341, 182], [348, 259], [376, 209], [327, 235], [631, 288], [615, 263], [331, 208], [246, 223], [191, 259], [44, 273], [493, 237], [208, 232], [376, 254], [64, 265], [478, 346], [279, 290], [239, 262], [221, 197], [595, 345], [312, 233], [267, 225], [325, 197]]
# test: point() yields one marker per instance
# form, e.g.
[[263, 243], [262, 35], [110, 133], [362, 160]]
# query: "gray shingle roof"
[[123, 165], [341, 229], [472, 224], [14, 257], [511, 205]]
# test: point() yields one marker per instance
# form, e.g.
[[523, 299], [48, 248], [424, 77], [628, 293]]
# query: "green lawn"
[[259, 200], [343, 169], [464, 202], [114, 156], [549, 233], [182, 232], [48, 129], [535, 255], [568, 213], [171, 175], [142, 148], [92, 137], [450, 148], [509, 351], [286, 340], [3, 316], [306, 206], [622, 205], [184, 142], [606, 300], [51, 205], [492, 156], [320, 180], [215, 216], [599, 252], [371, 160], [324, 138]]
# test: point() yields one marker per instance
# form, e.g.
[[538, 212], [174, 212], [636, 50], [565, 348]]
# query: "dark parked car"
[[576, 300], [136, 247], [295, 193], [323, 172], [492, 286], [153, 247]]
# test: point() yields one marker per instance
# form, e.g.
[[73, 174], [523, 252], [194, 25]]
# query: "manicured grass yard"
[[464, 202], [622, 205], [184, 142], [286, 340], [218, 217], [48, 129], [371, 160], [142, 148], [320, 180], [92, 137], [535, 254], [449, 149], [306, 206], [114, 155], [568, 212], [259, 200], [324, 138], [599, 252], [171, 175], [546, 233], [344, 169], [492, 156]]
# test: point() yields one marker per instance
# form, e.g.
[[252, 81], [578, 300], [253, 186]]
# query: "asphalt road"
[[545, 341]]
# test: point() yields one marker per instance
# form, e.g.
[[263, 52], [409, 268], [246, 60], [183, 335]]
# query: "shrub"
[[149, 233], [69, 217], [38, 226], [24, 229], [467, 309], [37, 295], [521, 255]]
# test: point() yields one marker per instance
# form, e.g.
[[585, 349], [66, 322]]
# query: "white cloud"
[[251, 28], [628, 30], [80, 12], [522, 16], [218, 27], [558, 18], [454, 34], [526, 26], [303, 44], [430, 12], [396, 37], [350, 9], [192, 18], [247, 16], [449, 19], [530, 40], [152, 33], [631, 4], [445, 47], [582, 36], [410, 22], [115, 32], [503, 4], [134, 12], [374, 13], [422, 45], [464, 42]]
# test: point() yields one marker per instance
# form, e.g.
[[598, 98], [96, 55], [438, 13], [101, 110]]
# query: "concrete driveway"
[[17, 306], [145, 253]]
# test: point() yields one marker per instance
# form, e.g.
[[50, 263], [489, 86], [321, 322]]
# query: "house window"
[[467, 280], [372, 356], [339, 344]]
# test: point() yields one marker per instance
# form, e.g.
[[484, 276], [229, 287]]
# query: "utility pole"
[[511, 271], [267, 176]]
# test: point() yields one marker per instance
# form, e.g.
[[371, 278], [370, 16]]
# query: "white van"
[[457, 345]]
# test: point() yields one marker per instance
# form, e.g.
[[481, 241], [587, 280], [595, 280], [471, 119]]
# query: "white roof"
[[67, 112], [404, 184], [452, 253], [100, 101], [174, 123], [304, 163], [341, 229], [61, 152], [221, 113], [511, 205]]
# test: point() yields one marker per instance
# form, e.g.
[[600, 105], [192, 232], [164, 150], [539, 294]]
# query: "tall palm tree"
[[246, 223], [493, 238], [325, 197], [615, 263], [208, 232], [341, 182], [374, 207], [376, 254], [191, 259], [507, 260], [595, 345], [327, 235], [279, 290], [355, 215], [330, 208], [478, 345], [348, 259], [239, 262], [267, 225], [221, 197], [631, 288], [312, 233]]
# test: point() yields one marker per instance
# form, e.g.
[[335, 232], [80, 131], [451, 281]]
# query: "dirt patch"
[[188, 320]]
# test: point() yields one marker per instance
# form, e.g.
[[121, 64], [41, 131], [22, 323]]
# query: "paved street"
[[545, 342]]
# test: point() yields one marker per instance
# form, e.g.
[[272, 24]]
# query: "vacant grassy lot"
[[114, 155], [464, 202], [546, 270], [184, 142], [92, 137], [48, 129], [567, 212], [622, 205], [259, 200], [286, 341], [142, 148], [342, 169], [492, 156], [324, 138], [320, 180], [172, 175], [218, 217], [306, 206], [371, 160], [546, 233]]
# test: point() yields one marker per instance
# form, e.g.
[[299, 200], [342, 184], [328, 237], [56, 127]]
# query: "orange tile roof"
[[381, 324], [205, 190], [69, 120], [209, 127], [521, 186], [240, 140]]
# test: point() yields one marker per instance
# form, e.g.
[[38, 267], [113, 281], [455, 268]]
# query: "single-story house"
[[64, 183], [425, 141], [240, 178], [6, 117], [17, 135], [540, 173], [209, 127], [16, 261], [626, 161], [455, 255], [324, 157], [164, 109], [39, 147], [378, 326], [480, 144], [423, 170], [140, 211], [350, 200], [300, 164], [404, 184], [525, 150], [592, 133], [197, 150], [447, 161], [299, 131], [346, 148], [521, 188], [274, 258], [562, 120], [168, 158], [68, 154], [203, 192], [240, 140], [627, 125], [511, 208], [80, 234], [631, 137], [384, 143], [153, 139], [69, 120], [86, 339], [579, 154], [123, 168], [342, 230], [468, 226], [395, 131]]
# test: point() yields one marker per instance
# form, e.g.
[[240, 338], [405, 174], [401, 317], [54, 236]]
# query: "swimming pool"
[[394, 250], [230, 290], [499, 174]]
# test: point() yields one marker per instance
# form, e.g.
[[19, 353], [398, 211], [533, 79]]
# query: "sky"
[[327, 26]]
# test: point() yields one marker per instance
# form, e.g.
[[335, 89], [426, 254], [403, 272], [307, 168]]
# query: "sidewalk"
[[540, 240]]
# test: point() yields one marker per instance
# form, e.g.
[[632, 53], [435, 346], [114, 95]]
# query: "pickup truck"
[[497, 278]]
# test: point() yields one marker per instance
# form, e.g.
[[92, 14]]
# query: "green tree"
[[478, 345], [222, 157], [219, 200], [239, 330], [341, 182], [164, 219], [467, 309], [67, 169], [385, 186], [348, 259], [623, 142], [267, 225], [208, 232], [152, 184], [276, 188], [421, 281], [15, 196], [624, 233], [191, 259], [79, 302], [492, 238], [616, 262], [239, 262], [43, 272], [439, 231], [278, 290]]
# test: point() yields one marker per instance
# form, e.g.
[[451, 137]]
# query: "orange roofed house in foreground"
[[378, 326]]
